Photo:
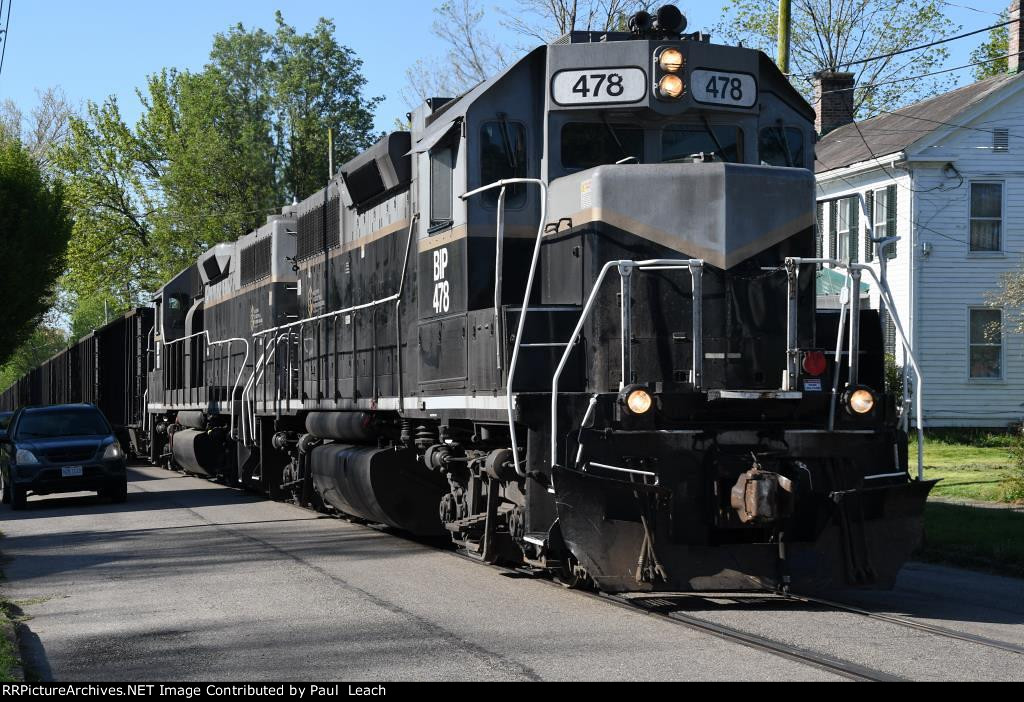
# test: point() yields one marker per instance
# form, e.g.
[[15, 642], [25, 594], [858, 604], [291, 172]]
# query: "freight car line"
[[912, 624]]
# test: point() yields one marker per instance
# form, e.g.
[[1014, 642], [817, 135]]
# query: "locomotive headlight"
[[671, 60], [671, 86], [860, 401], [637, 400]]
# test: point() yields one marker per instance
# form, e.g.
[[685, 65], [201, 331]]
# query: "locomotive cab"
[[716, 440]]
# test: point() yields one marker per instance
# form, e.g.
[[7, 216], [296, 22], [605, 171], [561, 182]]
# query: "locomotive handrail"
[[241, 370], [888, 301], [696, 268], [259, 371], [520, 470]]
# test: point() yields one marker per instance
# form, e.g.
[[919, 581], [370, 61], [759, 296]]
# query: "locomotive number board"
[[599, 86], [723, 88]]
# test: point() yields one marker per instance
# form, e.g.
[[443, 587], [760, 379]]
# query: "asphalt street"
[[190, 580]]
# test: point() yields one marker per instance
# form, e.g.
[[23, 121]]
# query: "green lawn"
[[978, 470], [8, 656], [974, 537]]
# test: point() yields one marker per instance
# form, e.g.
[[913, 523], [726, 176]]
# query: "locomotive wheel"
[[573, 576]]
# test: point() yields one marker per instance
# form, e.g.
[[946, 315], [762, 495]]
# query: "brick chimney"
[[833, 99], [1016, 38]]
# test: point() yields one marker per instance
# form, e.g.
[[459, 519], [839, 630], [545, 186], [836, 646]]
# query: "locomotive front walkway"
[[190, 580]]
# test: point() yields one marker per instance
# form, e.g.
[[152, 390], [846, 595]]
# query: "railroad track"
[[666, 608], [912, 624]]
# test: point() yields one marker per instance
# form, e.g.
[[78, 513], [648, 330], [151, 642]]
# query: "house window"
[[846, 229], [986, 216], [986, 343]]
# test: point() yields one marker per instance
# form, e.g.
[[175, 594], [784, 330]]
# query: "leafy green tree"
[[991, 54], [42, 343], [212, 155], [839, 35], [35, 225]]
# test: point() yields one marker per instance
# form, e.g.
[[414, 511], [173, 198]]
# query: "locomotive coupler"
[[761, 497]]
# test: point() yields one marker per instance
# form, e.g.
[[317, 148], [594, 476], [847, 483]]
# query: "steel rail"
[[912, 624], [844, 668]]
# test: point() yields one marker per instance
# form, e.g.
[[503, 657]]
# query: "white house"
[[946, 175]]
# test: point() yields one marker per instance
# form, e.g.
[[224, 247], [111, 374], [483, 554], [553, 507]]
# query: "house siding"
[[935, 278], [952, 279], [898, 268]]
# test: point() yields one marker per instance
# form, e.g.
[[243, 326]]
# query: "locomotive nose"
[[723, 213]]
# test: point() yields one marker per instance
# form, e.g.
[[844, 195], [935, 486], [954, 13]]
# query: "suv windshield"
[[64, 422]]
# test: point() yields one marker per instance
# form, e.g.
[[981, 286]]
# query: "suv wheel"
[[18, 497], [117, 493]]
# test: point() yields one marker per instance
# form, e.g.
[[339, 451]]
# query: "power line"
[[7, 28], [946, 124], [913, 48], [922, 75], [912, 223], [972, 9]]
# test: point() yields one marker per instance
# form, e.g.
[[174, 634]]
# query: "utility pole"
[[784, 23]]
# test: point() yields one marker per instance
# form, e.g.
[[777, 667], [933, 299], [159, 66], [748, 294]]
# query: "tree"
[[474, 55], [546, 20], [42, 343], [45, 128], [990, 56], [838, 35], [212, 155], [35, 225]]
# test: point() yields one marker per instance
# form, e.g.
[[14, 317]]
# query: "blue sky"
[[93, 49]]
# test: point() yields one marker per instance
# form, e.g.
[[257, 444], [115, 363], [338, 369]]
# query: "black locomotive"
[[569, 319]]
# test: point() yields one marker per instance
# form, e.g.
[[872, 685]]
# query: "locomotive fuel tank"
[[382, 485]]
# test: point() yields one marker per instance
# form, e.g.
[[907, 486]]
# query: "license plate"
[[71, 472]]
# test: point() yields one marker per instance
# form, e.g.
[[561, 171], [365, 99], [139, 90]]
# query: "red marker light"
[[814, 363]]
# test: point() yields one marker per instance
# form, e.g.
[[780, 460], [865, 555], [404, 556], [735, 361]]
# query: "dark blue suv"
[[61, 448]]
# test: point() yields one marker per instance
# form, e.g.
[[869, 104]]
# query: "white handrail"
[[691, 265], [241, 369], [889, 302], [520, 471]]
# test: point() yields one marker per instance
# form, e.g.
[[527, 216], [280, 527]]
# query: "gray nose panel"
[[723, 213]]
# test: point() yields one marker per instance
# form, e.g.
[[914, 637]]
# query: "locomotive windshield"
[[720, 143], [503, 155], [589, 144], [782, 146]]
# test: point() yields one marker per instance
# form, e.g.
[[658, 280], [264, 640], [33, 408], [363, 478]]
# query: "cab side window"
[[503, 155], [442, 167], [782, 146]]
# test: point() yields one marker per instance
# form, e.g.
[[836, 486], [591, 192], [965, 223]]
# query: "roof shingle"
[[892, 132]]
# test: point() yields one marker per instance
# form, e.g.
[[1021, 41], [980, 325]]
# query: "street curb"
[[964, 502], [10, 632]]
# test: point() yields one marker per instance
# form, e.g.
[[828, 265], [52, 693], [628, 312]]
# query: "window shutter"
[[854, 227], [833, 220], [869, 231], [890, 220], [819, 232]]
